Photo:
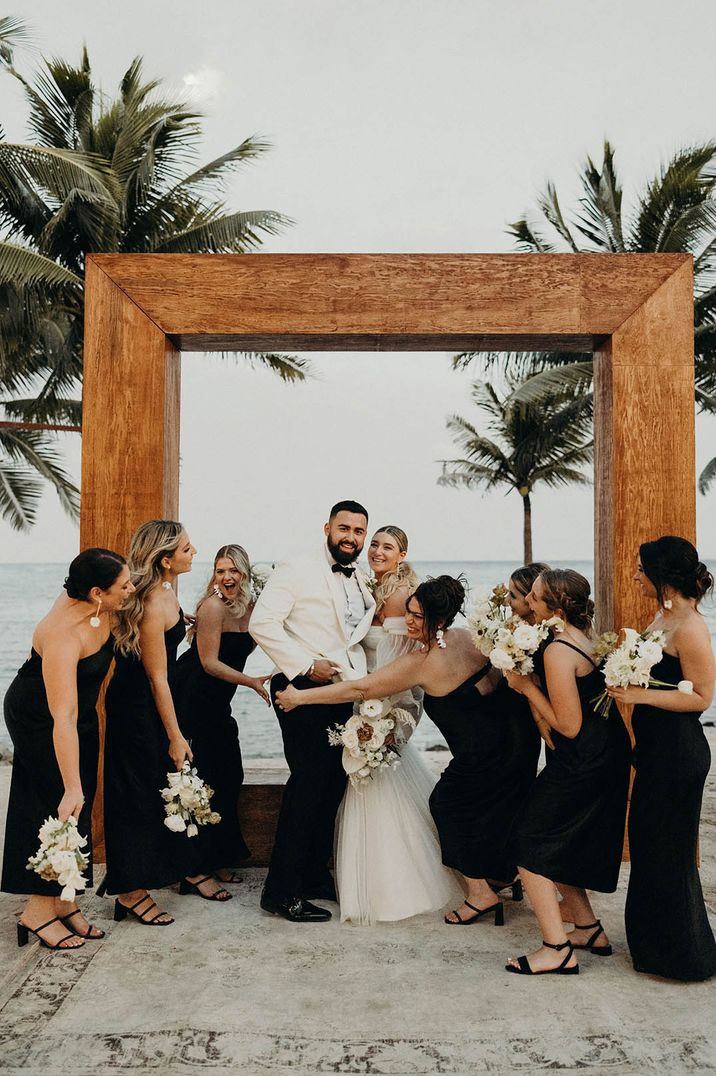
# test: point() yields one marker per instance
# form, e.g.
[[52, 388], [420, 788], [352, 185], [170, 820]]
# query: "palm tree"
[[675, 213], [546, 442], [99, 175]]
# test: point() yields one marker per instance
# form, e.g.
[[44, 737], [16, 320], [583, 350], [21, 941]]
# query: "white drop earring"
[[439, 638], [166, 585], [668, 603], [95, 620]]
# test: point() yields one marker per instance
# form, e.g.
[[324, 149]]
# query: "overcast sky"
[[397, 125]]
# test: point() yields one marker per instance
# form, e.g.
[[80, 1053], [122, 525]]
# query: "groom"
[[310, 618]]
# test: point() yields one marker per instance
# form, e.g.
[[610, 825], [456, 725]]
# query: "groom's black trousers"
[[313, 792]]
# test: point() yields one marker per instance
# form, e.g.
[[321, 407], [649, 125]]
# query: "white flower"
[[526, 637], [631, 636], [371, 708], [364, 772], [501, 659], [686, 687], [191, 830], [175, 823], [375, 742], [351, 741], [174, 779], [650, 652]]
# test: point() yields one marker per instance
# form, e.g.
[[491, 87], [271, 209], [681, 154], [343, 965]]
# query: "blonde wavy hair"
[[240, 559], [402, 576], [150, 543]]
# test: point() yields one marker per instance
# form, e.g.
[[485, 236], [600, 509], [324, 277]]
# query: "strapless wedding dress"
[[388, 860]]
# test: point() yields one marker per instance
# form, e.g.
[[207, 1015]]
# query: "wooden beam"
[[645, 454], [340, 296], [130, 420]]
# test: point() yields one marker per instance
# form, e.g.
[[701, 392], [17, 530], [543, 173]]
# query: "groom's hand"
[[323, 671]]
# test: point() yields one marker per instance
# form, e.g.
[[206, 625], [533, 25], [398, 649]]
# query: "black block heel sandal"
[[597, 950], [523, 964], [186, 887], [495, 909], [121, 911], [23, 936]]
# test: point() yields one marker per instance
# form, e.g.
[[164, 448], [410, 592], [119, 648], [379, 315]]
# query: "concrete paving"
[[228, 989]]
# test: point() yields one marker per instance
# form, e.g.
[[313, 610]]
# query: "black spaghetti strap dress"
[[571, 829], [523, 740], [203, 704], [668, 931], [36, 786], [141, 852], [472, 808]]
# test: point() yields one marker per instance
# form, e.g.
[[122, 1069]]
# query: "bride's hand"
[[288, 699]]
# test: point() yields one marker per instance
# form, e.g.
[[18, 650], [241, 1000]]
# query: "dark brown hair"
[[92, 568], [441, 599], [568, 591], [674, 562], [524, 577]]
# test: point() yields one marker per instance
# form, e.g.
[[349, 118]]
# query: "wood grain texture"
[[342, 295], [130, 420]]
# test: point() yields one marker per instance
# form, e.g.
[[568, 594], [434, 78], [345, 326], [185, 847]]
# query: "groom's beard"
[[343, 556]]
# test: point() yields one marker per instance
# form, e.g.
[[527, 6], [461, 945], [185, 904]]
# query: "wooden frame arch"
[[635, 311]]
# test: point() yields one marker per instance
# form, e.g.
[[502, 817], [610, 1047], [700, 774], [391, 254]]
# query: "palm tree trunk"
[[527, 529]]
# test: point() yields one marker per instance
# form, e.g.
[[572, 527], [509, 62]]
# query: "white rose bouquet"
[[517, 642], [489, 614], [187, 802], [371, 738], [59, 857], [629, 664]]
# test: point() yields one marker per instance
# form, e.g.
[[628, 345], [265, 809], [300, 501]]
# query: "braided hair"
[[566, 590]]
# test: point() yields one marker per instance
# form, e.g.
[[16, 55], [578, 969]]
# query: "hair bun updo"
[[671, 561], [92, 568], [441, 599]]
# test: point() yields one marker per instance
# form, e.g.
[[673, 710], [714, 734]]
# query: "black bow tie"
[[344, 569]]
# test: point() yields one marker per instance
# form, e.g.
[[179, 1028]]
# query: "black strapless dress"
[[666, 923], [472, 808], [571, 829], [203, 705], [141, 852], [36, 787]]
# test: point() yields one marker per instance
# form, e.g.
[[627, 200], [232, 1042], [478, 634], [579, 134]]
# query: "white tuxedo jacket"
[[299, 617]]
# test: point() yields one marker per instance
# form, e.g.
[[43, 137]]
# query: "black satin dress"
[[571, 829], [667, 927], [203, 705], [471, 805], [36, 787], [141, 852]]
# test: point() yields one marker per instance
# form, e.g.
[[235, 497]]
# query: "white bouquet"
[[488, 615], [187, 802], [59, 859], [630, 663], [516, 643], [371, 738]]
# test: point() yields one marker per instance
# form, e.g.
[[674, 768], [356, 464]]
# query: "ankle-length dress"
[[203, 705], [141, 852], [387, 854], [571, 829], [36, 786], [668, 930]]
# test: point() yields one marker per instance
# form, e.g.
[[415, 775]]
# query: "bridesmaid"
[[207, 676], [571, 830], [667, 927], [50, 713], [143, 740], [525, 729], [467, 803]]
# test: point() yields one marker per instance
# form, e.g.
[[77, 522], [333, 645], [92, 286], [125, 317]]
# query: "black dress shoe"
[[295, 909], [322, 892]]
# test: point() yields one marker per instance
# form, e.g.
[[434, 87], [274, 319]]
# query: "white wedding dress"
[[388, 863]]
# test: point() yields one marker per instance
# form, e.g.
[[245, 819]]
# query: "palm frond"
[[233, 233], [19, 496], [37, 451], [563, 382], [20, 266], [707, 476]]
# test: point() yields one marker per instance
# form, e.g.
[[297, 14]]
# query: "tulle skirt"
[[388, 860]]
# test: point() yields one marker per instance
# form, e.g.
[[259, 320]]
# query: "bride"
[[388, 861]]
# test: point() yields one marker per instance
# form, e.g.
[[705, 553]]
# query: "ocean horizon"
[[28, 590]]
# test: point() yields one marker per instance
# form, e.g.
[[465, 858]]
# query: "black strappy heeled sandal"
[[495, 909], [65, 920], [121, 911], [186, 887], [597, 950], [23, 936], [523, 964], [517, 893]]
